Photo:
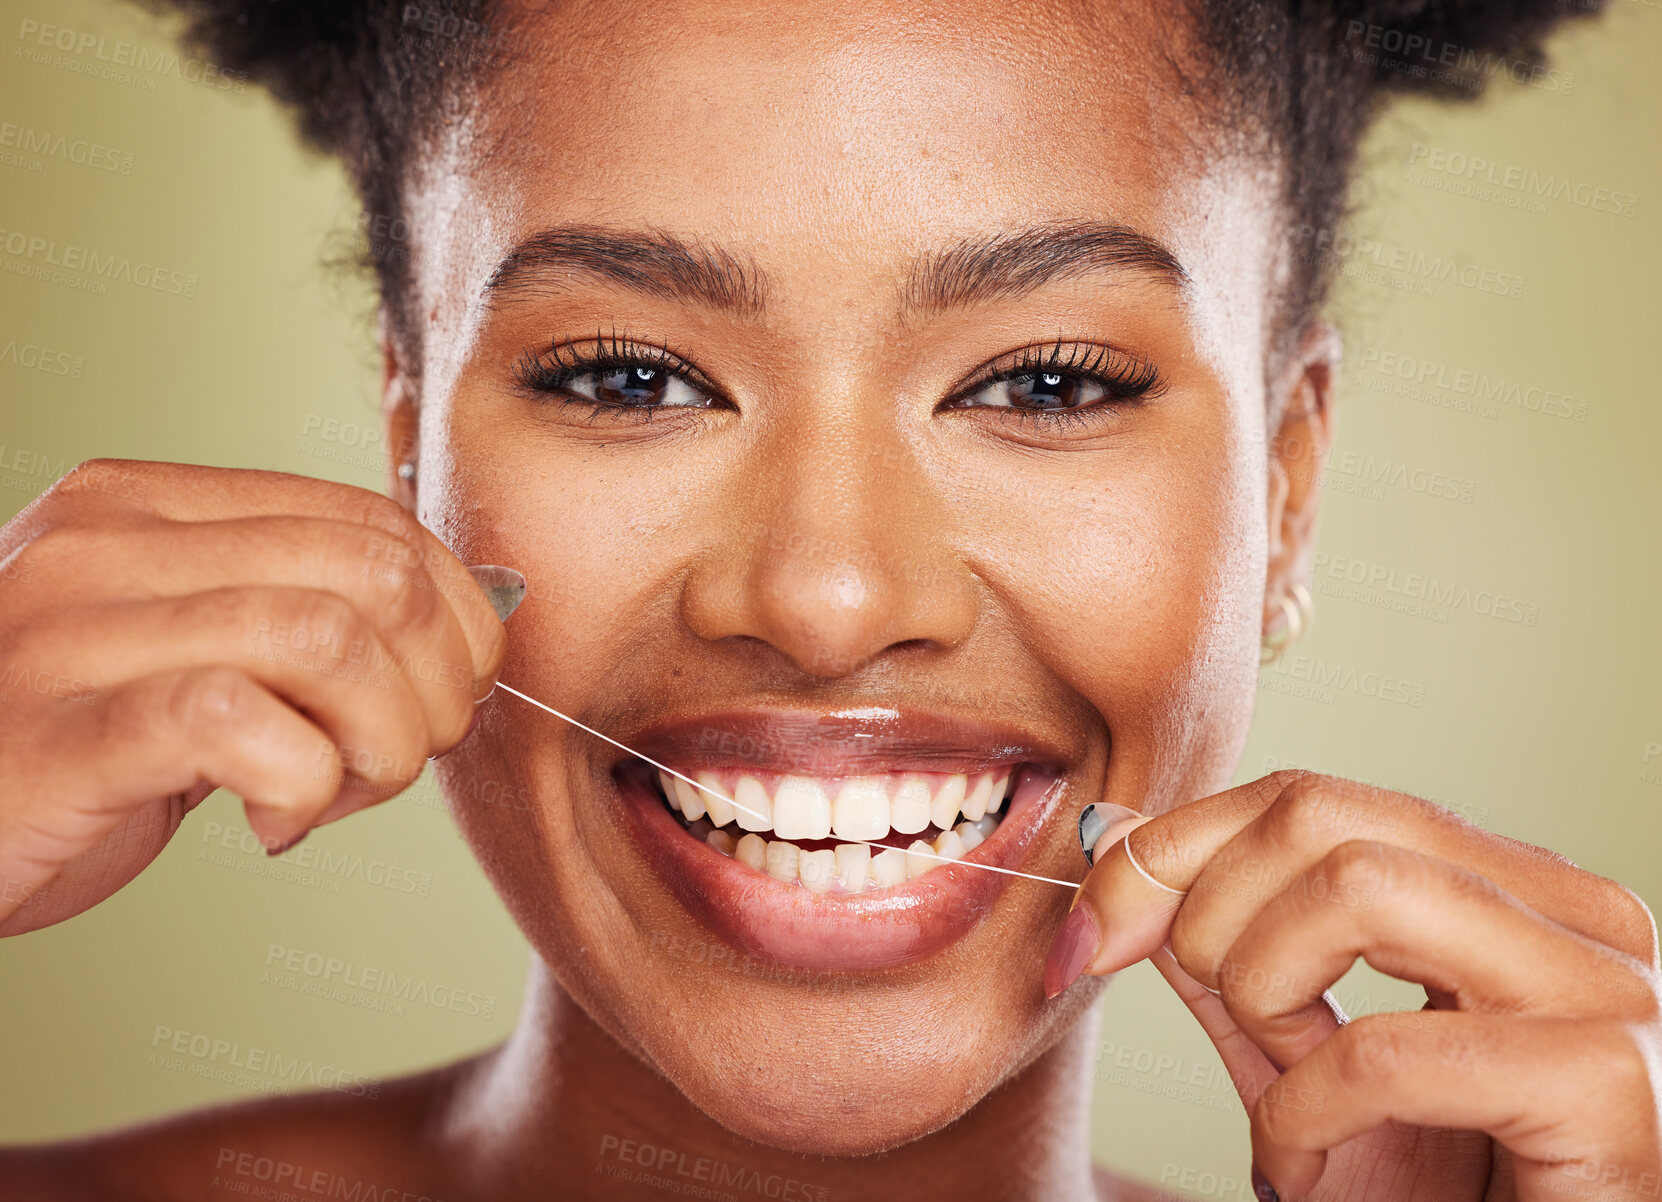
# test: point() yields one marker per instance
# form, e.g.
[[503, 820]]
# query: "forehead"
[[833, 143], [808, 116]]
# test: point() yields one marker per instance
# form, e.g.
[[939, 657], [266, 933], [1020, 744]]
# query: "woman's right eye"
[[618, 375]]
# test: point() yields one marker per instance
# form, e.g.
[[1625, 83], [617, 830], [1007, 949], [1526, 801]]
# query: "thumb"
[[1141, 871], [1120, 913]]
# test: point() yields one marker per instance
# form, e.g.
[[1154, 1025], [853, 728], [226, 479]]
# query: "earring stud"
[[406, 470]]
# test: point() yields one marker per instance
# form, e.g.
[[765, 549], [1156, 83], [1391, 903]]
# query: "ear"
[[401, 419], [1301, 413]]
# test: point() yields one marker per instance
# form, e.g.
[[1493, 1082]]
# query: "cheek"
[[1143, 593], [600, 547]]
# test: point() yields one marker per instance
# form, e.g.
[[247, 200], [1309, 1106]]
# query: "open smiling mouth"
[[955, 810], [797, 829]]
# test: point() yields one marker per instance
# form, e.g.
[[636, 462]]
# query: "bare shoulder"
[[327, 1143]]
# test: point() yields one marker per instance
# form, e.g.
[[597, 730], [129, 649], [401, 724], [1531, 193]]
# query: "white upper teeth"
[[861, 810], [909, 807], [943, 811], [801, 810], [862, 807], [721, 812], [755, 807], [962, 809], [689, 800]]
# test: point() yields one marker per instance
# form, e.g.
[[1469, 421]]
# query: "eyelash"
[[549, 372], [1124, 377]]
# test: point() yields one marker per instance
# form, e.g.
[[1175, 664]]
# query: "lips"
[[771, 854]]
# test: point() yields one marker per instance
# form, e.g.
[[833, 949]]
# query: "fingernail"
[[1261, 1188], [1094, 821], [1075, 943], [504, 587], [282, 847]]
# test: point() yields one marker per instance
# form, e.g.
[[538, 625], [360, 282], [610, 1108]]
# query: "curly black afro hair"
[[369, 80]]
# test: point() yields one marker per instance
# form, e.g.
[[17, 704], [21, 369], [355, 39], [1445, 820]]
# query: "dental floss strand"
[[505, 588], [705, 789]]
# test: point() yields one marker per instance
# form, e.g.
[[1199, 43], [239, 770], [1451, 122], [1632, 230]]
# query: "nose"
[[833, 551]]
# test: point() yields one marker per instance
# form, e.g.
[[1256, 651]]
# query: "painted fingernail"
[[1262, 1189], [282, 847], [1094, 821], [1075, 943], [504, 587]]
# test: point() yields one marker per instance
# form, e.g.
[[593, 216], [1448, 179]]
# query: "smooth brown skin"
[[1110, 577]]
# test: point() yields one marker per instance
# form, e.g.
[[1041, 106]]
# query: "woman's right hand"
[[166, 629]]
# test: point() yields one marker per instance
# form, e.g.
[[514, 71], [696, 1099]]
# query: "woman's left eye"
[[1039, 390], [634, 385]]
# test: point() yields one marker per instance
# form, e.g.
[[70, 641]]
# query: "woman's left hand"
[[1533, 1072]]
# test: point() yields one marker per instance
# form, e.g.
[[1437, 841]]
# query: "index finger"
[[1267, 832], [192, 493]]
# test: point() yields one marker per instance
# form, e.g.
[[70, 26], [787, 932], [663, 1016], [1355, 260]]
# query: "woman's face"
[[926, 448]]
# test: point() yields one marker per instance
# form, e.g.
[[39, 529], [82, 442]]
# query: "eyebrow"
[[973, 270], [651, 262], [979, 269]]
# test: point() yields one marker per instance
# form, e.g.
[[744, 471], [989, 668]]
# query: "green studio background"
[[1485, 629]]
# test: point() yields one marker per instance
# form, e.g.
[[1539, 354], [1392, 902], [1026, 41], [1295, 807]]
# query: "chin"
[[842, 1105]]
